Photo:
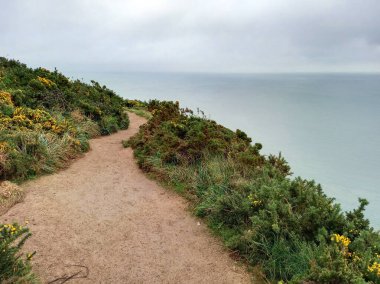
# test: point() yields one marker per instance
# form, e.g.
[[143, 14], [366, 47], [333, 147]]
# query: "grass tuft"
[[10, 194], [140, 111]]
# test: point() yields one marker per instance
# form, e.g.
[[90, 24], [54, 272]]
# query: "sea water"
[[327, 126]]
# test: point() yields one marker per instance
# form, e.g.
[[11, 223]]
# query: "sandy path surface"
[[105, 214]]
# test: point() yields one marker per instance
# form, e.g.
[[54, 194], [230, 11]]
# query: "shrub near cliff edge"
[[288, 226]]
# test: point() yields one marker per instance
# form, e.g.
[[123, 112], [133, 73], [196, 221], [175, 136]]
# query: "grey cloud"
[[222, 36]]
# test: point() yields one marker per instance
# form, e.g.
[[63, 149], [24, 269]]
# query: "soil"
[[103, 221]]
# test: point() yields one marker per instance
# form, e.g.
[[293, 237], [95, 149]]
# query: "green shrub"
[[108, 125], [14, 267], [123, 120], [136, 104]]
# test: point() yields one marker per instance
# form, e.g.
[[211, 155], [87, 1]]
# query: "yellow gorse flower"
[[340, 239], [6, 98], [36, 119], [10, 229], [375, 268], [255, 202], [45, 81]]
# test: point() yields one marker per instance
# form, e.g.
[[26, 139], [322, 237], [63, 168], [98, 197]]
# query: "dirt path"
[[103, 213]]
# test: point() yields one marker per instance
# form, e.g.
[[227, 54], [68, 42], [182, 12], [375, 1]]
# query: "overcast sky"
[[196, 36]]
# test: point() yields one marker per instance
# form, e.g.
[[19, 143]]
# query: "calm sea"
[[327, 126]]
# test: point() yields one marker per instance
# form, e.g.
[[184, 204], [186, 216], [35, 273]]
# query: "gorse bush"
[[41, 88], [47, 119], [286, 225], [14, 267]]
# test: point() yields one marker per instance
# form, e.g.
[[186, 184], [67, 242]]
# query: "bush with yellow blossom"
[[5, 98], [45, 81], [39, 127], [27, 136], [15, 265]]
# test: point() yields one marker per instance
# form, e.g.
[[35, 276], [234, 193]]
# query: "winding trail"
[[105, 214]]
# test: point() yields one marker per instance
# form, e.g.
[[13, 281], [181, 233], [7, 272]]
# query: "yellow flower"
[[254, 201], [342, 241], [6, 98], [4, 146], [9, 228], [45, 81], [375, 268]]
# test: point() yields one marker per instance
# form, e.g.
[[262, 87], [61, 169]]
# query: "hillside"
[[46, 119], [286, 225]]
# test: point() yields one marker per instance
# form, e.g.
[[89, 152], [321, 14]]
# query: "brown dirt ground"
[[105, 214]]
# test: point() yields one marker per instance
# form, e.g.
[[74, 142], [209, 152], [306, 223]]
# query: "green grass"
[[140, 111]]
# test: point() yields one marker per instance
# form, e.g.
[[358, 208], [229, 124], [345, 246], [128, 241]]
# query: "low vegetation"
[[10, 194], [46, 119], [14, 265], [139, 108], [285, 225]]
